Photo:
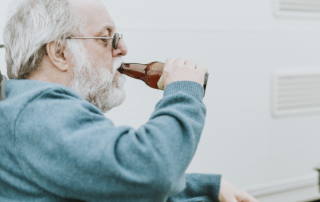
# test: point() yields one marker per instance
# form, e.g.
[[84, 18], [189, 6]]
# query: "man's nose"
[[122, 49]]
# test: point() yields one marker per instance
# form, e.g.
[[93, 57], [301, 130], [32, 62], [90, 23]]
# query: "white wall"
[[242, 43]]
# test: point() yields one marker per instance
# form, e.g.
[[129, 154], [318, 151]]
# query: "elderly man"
[[55, 142]]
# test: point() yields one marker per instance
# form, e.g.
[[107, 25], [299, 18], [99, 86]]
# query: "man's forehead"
[[97, 18]]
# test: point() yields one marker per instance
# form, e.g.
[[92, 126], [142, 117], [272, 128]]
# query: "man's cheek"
[[119, 81]]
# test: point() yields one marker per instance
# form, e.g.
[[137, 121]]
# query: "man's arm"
[[210, 188], [70, 149]]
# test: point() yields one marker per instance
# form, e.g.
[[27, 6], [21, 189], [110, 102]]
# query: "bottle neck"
[[134, 70]]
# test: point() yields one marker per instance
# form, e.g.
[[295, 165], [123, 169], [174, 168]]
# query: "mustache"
[[116, 63]]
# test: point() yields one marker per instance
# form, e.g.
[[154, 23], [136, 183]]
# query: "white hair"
[[31, 25]]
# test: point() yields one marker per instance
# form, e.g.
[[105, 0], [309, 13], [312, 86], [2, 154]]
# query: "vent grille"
[[309, 8], [296, 92]]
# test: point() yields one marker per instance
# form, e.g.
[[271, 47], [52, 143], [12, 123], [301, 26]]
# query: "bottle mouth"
[[120, 69]]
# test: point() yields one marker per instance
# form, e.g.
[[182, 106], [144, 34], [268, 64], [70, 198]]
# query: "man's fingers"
[[169, 61], [230, 193], [180, 61], [191, 64], [245, 197], [251, 199], [182, 70], [233, 200]]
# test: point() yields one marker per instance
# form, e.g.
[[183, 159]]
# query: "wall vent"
[[296, 92], [299, 8]]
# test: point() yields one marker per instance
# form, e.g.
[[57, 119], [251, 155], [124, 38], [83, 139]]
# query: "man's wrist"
[[189, 87], [204, 185]]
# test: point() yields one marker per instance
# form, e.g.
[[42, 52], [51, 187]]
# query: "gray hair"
[[31, 25]]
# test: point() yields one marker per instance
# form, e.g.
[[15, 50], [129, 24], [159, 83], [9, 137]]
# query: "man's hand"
[[230, 193], [181, 69]]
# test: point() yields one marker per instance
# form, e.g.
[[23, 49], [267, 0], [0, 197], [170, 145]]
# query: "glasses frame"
[[115, 39]]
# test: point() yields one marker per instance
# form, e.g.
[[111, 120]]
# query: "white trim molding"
[[297, 8], [302, 188]]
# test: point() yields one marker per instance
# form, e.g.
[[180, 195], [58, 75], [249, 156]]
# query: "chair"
[[3, 80]]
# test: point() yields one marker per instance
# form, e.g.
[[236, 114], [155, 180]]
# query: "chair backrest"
[[3, 80]]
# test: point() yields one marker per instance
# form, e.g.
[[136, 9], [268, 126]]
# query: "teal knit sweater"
[[55, 146]]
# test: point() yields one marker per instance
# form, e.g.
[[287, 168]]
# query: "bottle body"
[[150, 73]]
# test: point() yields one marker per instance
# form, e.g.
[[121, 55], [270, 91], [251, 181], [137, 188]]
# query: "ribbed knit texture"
[[200, 187], [55, 146], [195, 90]]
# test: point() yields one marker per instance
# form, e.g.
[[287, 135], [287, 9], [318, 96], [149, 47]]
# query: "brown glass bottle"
[[149, 73]]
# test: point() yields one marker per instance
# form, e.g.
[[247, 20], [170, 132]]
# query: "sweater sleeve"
[[70, 149], [199, 187]]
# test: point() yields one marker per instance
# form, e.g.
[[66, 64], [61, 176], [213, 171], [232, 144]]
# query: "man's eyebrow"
[[106, 28]]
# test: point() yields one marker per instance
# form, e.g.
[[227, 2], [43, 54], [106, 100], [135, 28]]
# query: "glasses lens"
[[115, 41]]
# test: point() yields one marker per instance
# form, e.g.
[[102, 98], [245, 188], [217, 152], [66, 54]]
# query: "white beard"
[[98, 85]]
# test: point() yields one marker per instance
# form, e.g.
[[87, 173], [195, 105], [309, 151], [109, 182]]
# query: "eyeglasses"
[[116, 37]]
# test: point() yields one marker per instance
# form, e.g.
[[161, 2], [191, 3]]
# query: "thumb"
[[233, 200], [229, 200], [245, 197]]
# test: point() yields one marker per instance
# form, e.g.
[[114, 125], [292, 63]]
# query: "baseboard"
[[307, 185]]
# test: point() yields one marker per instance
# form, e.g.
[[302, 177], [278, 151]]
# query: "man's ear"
[[57, 56]]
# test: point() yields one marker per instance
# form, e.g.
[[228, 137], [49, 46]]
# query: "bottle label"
[[160, 84]]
